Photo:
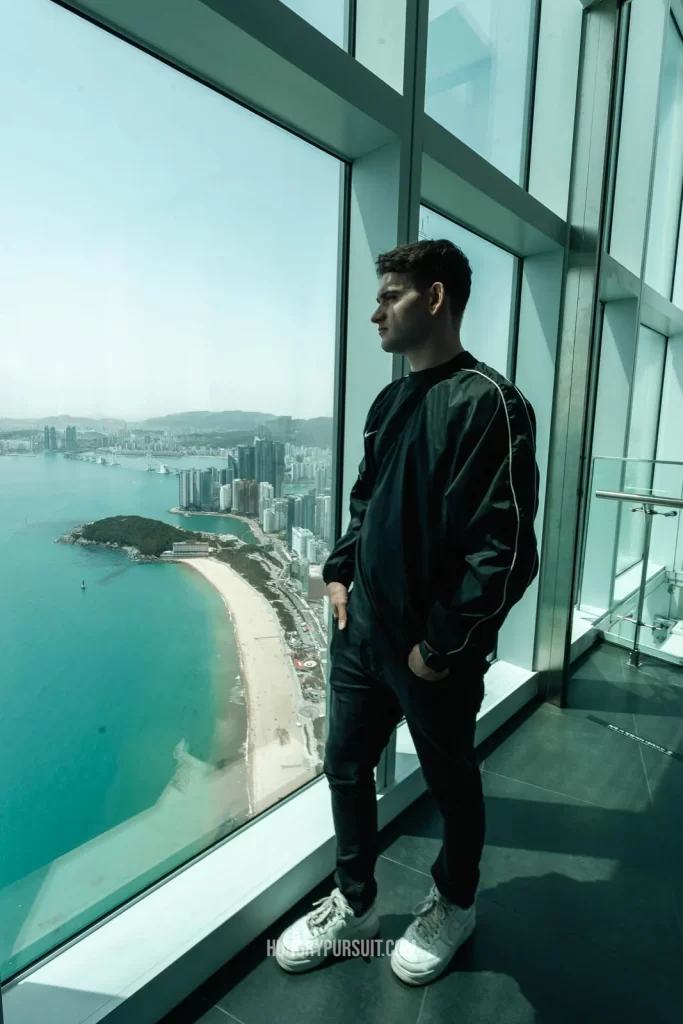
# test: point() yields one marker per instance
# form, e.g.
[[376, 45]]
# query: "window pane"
[[478, 63], [642, 441], [486, 324], [668, 175], [330, 17], [165, 251]]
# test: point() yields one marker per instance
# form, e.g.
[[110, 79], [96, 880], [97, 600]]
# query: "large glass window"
[[668, 174], [168, 281], [486, 327], [642, 441], [331, 17], [478, 75]]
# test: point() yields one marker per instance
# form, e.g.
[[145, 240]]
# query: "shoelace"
[[329, 906], [430, 915]]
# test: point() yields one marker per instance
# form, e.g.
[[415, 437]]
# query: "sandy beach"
[[277, 759]]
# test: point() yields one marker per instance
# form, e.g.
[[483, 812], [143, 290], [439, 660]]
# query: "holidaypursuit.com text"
[[343, 947]]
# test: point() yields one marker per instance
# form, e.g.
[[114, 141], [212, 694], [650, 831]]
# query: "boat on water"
[[83, 585]]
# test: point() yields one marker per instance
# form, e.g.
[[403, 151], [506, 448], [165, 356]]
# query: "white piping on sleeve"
[[514, 498]]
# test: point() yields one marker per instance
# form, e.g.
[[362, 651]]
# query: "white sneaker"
[[431, 941], [309, 941]]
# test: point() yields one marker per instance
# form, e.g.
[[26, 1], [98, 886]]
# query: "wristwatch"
[[437, 662]]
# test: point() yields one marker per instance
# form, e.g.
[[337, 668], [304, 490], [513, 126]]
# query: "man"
[[440, 546]]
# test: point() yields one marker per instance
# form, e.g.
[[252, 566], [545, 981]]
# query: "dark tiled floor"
[[580, 908]]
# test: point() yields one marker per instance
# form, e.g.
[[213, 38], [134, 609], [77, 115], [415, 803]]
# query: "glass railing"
[[632, 574]]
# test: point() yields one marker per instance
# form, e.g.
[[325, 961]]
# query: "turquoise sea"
[[98, 686]]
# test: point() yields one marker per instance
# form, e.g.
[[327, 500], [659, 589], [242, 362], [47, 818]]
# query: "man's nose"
[[376, 317]]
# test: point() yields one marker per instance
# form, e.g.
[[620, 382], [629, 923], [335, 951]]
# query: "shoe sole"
[[300, 966], [423, 979]]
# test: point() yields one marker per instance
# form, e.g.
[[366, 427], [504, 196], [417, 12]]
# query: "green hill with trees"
[[149, 536]]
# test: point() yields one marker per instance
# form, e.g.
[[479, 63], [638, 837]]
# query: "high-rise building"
[[293, 516], [300, 539], [323, 517], [225, 498], [253, 498], [53, 439], [270, 521], [246, 462], [47, 439], [266, 499], [308, 511], [206, 489], [185, 488], [270, 463], [316, 584], [197, 488], [239, 496]]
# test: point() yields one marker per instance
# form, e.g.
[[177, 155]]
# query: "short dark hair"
[[431, 260]]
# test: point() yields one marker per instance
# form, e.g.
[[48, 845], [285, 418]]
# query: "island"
[[137, 536]]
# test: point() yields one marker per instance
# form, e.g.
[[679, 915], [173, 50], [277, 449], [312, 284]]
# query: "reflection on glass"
[[486, 324], [642, 442], [163, 667], [330, 17], [668, 174], [478, 63]]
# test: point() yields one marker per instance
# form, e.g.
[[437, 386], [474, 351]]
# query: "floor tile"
[[517, 972], [573, 756], [257, 991], [195, 1010]]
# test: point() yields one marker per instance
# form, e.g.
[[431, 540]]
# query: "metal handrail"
[[643, 499], [636, 458], [648, 501]]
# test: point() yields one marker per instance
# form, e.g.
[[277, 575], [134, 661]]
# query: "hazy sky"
[[164, 249]]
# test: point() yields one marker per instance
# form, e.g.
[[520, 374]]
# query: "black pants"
[[371, 690]]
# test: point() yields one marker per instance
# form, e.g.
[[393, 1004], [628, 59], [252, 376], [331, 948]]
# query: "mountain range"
[[200, 424]]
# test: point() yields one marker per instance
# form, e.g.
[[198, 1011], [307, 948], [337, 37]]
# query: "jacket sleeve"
[[490, 503], [339, 567]]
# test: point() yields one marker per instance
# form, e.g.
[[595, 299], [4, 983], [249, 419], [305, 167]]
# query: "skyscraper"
[[206, 489], [246, 462], [253, 498], [185, 488], [239, 489], [300, 541], [308, 511], [47, 439], [269, 459], [225, 498], [53, 439]]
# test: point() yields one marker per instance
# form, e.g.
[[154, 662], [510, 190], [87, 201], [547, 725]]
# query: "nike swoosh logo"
[[370, 433]]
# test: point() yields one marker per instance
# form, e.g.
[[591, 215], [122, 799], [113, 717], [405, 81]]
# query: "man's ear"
[[437, 297]]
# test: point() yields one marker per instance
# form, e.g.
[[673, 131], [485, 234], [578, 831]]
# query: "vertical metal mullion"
[[585, 485], [515, 311], [679, 29], [639, 300], [410, 191], [592, 136], [350, 30], [338, 414], [528, 127]]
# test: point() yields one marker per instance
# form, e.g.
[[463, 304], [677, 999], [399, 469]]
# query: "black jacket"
[[441, 538]]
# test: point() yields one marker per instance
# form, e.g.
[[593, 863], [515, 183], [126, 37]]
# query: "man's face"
[[403, 313]]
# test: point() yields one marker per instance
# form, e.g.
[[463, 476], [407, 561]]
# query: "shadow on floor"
[[580, 906]]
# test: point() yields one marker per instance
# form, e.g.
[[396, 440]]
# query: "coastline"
[[277, 759], [251, 523]]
